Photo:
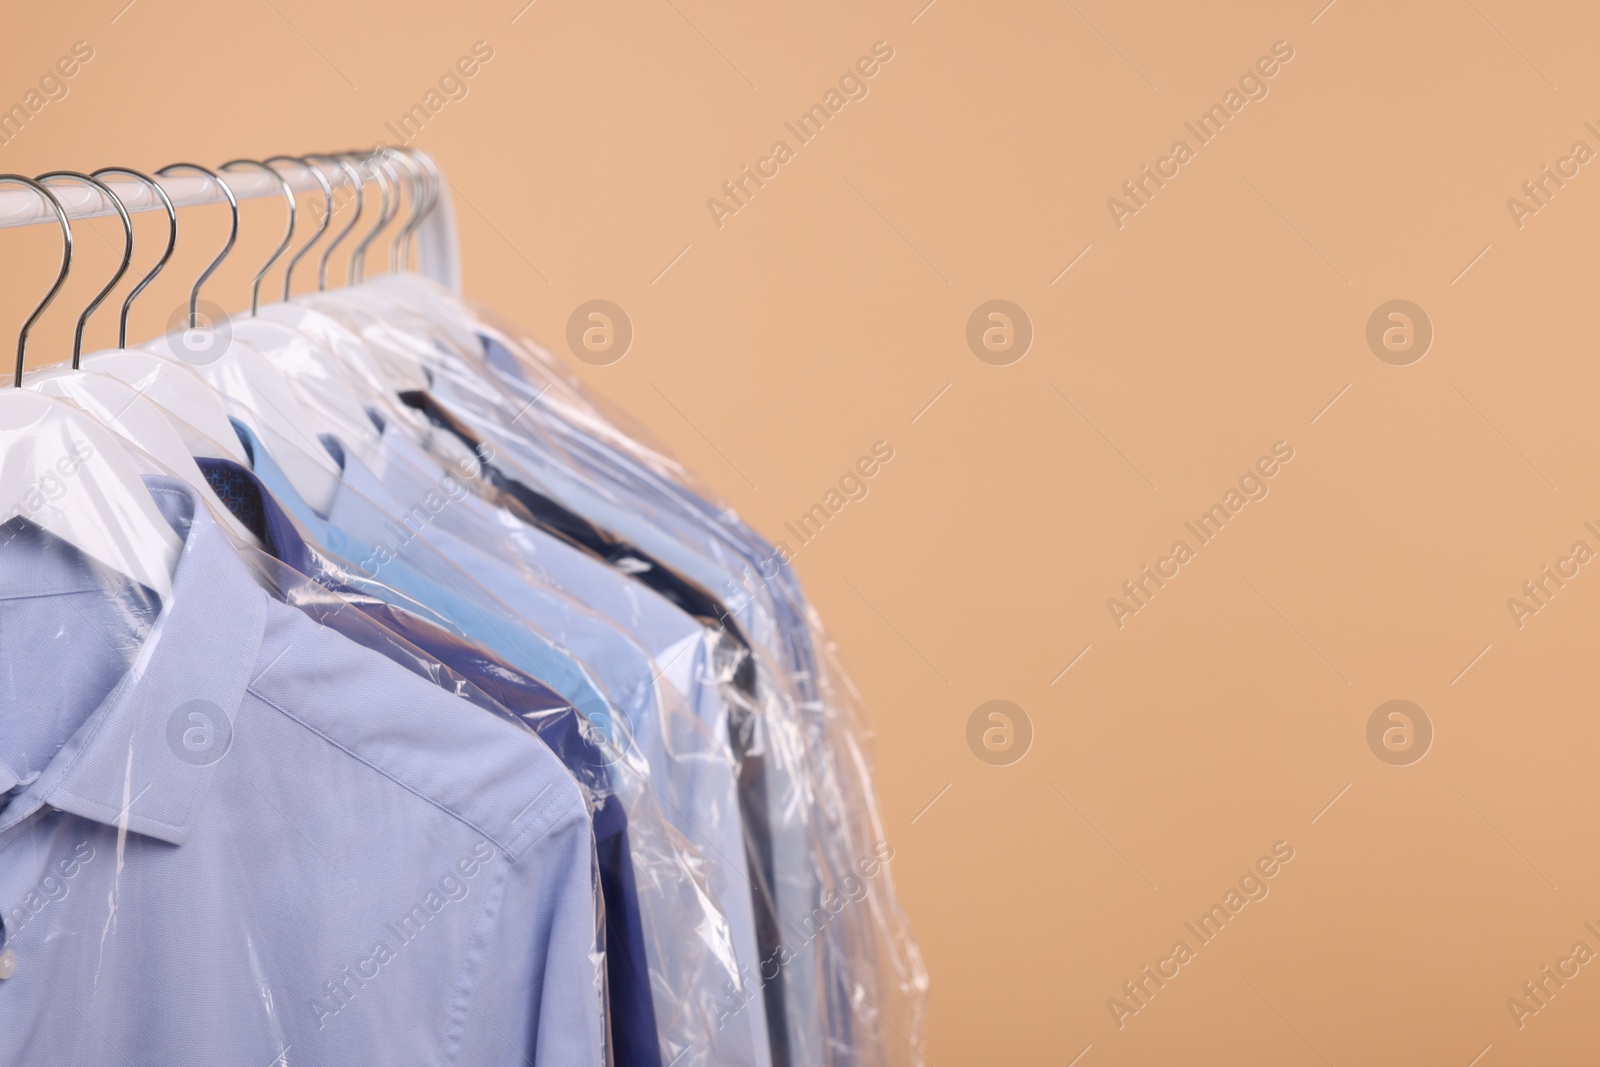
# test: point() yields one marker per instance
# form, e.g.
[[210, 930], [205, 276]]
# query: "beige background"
[[1228, 314]]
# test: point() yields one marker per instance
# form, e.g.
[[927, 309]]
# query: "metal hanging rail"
[[437, 245]]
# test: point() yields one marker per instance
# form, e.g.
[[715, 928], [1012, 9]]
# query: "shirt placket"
[[24, 861]]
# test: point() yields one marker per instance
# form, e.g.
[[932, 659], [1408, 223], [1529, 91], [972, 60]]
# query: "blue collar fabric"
[[121, 750]]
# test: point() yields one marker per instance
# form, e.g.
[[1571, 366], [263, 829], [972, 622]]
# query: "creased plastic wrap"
[[431, 717], [431, 526], [682, 955], [685, 936], [231, 833], [853, 981]]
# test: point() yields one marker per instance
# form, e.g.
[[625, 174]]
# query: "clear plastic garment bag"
[[371, 694]]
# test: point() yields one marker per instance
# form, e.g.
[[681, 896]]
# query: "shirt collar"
[[363, 501], [277, 483], [145, 757], [287, 542]]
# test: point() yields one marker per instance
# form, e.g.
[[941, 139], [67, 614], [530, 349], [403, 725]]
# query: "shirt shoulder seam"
[[514, 849]]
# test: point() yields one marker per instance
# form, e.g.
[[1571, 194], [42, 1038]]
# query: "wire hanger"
[[119, 406], [172, 242], [293, 351], [388, 207], [414, 294], [192, 407], [233, 234], [355, 307], [257, 392], [400, 247], [300, 314], [288, 233], [327, 216], [61, 275], [101, 507], [355, 183], [127, 251]]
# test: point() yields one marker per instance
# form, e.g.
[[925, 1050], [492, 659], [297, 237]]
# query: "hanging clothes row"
[[368, 695]]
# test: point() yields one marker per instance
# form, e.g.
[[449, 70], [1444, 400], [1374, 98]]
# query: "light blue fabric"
[[174, 890], [689, 762], [686, 533], [470, 609], [583, 466], [562, 643]]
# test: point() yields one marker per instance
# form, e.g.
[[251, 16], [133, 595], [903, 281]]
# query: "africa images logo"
[[199, 733]]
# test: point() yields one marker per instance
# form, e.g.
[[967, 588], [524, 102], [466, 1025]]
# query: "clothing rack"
[[538, 681], [437, 245]]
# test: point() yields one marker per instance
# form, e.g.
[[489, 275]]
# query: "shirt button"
[[8, 963]]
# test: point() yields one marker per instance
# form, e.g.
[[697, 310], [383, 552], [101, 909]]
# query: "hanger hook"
[[61, 275], [327, 216], [288, 233], [431, 186], [400, 247], [388, 207], [127, 251], [355, 181], [172, 242], [233, 234]]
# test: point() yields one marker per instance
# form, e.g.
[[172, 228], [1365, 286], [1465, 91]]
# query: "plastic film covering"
[[428, 524], [686, 937], [239, 823], [443, 508], [297, 923], [602, 738], [837, 948]]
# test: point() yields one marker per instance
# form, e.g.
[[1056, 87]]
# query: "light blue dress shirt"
[[689, 762], [683, 531], [251, 841], [420, 574], [566, 645], [587, 467]]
